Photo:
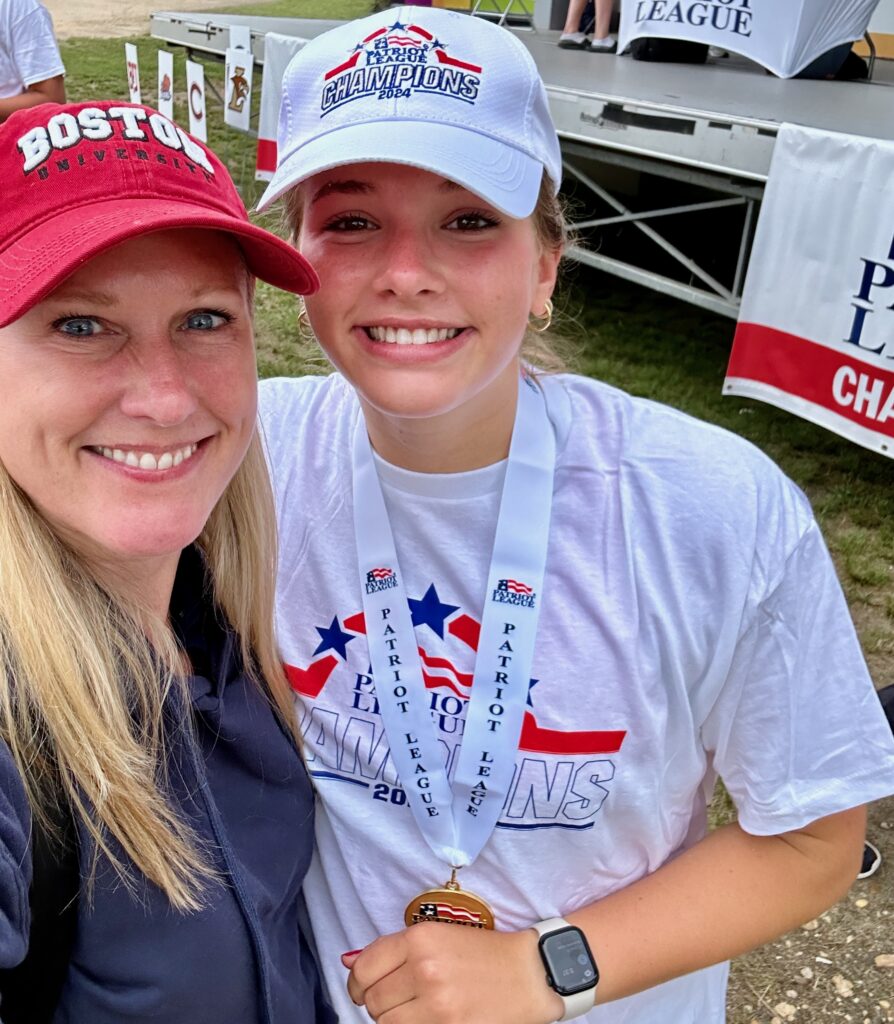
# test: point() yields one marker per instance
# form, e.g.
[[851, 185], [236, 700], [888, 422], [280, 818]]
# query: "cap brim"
[[38, 262], [501, 174]]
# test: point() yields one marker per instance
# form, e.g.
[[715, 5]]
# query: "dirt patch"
[[838, 968], [114, 18]]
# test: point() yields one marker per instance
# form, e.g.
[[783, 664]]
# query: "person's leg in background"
[[603, 41], [572, 38]]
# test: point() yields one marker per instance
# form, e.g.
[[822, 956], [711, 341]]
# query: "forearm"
[[728, 894], [51, 90]]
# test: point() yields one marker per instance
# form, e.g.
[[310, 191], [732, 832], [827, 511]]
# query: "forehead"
[[371, 178], [197, 260]]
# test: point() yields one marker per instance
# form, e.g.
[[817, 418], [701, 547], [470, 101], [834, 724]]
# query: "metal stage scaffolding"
[[675, 155]]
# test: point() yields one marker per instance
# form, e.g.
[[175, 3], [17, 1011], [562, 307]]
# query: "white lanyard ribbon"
[[457, 824]]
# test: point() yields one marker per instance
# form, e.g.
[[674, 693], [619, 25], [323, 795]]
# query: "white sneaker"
[[607, 45], [574, 41]]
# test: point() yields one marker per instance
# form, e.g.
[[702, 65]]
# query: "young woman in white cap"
[[529, 617], [156, 818]]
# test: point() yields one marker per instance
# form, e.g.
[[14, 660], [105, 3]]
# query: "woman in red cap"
[[154, 808], [529, 617]]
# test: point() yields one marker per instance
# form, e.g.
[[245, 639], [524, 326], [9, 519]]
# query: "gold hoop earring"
[[541, 323], [303, 319]]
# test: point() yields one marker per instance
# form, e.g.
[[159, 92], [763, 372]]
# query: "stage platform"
[[710, 129]]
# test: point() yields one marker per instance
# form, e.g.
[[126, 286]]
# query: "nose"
[[410, 266], [158, 385]]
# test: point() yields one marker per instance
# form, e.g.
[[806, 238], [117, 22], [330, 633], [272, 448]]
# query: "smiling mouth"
[[147, 460], [416, 336]]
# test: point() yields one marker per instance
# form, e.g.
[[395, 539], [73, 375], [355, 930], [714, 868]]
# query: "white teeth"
[[416, 336], [146, 460]]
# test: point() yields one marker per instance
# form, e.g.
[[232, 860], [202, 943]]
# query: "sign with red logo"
[[816, 327]]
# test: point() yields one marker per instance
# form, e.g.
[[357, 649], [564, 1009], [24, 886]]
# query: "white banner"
[[816, 327], [278, 51], [133, 72], [237, 84], [782, 35], [166, 83], [240, 37], [195, 98]]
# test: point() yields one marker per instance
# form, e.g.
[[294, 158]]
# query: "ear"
[[546, 271]]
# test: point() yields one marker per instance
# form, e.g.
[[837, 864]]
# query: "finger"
[[393, 990], [375, 962]]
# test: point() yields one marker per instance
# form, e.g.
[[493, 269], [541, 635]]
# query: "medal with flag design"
[[456, 821]]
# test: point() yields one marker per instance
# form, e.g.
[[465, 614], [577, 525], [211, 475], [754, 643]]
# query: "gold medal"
[[450, 905]]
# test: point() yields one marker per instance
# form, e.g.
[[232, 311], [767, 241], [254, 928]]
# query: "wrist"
[[544, 1005], [569, 966]]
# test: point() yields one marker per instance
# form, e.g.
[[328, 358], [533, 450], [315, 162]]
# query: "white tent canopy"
[[782, 35]]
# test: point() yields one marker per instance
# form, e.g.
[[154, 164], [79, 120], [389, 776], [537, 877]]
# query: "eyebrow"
[[353, 187], [348, 187], [85, 295]]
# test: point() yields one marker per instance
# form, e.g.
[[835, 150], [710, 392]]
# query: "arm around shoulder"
[[49, 90]]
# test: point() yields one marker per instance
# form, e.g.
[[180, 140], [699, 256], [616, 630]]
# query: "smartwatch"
[[571, 971]]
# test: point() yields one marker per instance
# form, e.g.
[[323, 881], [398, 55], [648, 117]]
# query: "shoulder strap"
[[29, 993]]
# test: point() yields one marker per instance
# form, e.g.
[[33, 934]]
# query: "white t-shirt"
[[28, 50], [691, 623]]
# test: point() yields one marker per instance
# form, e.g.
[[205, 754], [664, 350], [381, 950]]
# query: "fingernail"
[[352, 952]]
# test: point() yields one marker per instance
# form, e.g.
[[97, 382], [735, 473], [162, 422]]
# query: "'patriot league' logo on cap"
[[395, 62]]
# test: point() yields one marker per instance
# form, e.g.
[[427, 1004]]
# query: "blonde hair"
[[84, 704], [547, 351]]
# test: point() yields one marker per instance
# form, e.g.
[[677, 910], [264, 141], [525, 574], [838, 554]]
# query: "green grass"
[[645, 343]]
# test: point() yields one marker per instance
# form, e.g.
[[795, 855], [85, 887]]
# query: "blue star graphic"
[[333, 638], [359, 47], [531, 686], [431, 611], [438, 45], [397, 26]]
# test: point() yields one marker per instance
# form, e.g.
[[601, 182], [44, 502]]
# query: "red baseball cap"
[[82, 177]]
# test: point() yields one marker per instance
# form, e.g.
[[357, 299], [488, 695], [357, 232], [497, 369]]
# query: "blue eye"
[[206, 320], [78, 326]]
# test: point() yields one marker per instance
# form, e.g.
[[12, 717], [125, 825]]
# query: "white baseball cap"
[[455, 95]]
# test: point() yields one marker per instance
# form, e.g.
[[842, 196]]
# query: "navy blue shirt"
[[240, 781]]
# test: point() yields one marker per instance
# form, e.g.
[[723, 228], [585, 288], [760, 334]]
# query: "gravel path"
[[110, 18]]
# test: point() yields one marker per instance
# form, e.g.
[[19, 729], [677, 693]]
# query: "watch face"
[[568, 961]]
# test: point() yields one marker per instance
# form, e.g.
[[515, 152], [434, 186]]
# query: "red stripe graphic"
[[309, 682], [349, 63], [841, 382], [457, 913], [536, 740], [453, 62], [375, 35], [420, 31]]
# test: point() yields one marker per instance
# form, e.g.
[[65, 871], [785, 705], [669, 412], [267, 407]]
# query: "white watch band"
[[581, 1002]]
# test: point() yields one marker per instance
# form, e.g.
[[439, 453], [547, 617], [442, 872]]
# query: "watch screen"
[[569, 961]]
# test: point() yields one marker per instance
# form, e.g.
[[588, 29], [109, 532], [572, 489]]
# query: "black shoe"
[[872, 861]]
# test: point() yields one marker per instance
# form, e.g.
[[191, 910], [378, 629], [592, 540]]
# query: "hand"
[[448, 974]]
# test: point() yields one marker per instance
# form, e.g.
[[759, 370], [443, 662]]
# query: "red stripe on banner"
[[453, 62], [830, 378], [266, 159], [550, 741], [421, 31]]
